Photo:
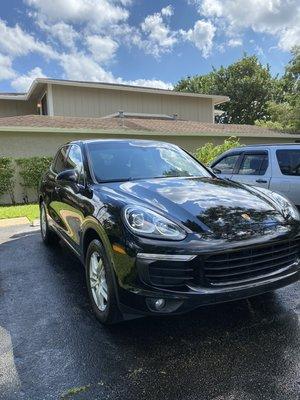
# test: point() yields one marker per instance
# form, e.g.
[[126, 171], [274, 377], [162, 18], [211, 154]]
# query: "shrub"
[[31, 171], [7, 172], [209, 151]]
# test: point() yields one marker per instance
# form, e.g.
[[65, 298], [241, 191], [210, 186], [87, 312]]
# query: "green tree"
[[283, 111], [209, 151], [247, 82], [7, 171]]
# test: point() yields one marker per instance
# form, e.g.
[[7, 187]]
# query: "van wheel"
[[100, 284]]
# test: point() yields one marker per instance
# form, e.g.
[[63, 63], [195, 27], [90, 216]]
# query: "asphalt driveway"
[[51, 346]]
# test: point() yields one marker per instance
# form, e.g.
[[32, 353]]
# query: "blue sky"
[[150, 42]]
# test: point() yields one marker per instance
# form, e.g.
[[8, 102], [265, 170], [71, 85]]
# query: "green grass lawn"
[[31, 211]]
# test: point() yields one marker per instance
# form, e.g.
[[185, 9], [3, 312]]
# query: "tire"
[[48, 236], [100, 281]]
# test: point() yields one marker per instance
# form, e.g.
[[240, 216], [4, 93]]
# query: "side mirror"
[[216, 171], [69, 175]]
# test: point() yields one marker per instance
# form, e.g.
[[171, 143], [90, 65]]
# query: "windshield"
[[120, 161]]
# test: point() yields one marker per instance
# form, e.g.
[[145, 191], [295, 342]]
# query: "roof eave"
[[217, 99]]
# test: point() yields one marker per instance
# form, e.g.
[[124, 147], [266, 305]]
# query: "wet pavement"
[[52, 347]]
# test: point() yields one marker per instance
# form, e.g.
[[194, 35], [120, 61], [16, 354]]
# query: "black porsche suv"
[[159, 233]]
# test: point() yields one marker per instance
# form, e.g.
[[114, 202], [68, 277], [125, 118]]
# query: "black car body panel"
[[238, 242]]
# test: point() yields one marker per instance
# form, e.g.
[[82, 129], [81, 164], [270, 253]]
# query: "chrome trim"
[[166, 257]]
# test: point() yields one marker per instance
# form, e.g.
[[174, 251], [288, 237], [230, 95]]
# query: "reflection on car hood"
[[225, 208]]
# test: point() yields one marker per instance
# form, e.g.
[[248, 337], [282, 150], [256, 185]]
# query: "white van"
[[275, 167]]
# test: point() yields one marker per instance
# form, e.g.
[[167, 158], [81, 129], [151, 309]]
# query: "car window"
[[74, 161], [227, 164], [254, 164], [59, 164], [289, 161]]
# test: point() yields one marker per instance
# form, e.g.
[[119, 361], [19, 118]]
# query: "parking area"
[[52, 347]]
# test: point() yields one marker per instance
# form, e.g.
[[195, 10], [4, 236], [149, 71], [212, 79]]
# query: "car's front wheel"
[[99, 277], [48, 236]]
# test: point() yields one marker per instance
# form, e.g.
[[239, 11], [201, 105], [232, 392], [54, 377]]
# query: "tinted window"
[[74, 161], [227, 164], [254, 164], [60, 160], [141, 160], [289, 161]]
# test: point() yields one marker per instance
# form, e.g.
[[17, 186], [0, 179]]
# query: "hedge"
[[30, 171], [7, 172], [207, 153]]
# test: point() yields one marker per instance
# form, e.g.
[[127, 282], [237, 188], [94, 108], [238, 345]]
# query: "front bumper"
[[188, 285], [177, 302]]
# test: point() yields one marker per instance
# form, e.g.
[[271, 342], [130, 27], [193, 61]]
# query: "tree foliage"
[[255, 96], [283, 112], [7, 172], [209, 151], [247, 82], [31, 170]]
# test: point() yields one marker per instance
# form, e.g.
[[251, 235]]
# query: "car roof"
[[269, 145]]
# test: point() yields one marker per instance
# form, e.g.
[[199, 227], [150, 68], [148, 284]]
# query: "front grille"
[[242, 266], [175, 273]]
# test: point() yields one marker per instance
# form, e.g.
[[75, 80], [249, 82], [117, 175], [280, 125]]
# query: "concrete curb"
[[7, 222]]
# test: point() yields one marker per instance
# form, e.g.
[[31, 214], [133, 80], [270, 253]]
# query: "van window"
[[289, 161], [254, 164], [227, 164]]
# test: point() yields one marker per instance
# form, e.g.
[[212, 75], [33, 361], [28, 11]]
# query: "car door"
[[254, 169], [72, 203], [225, 166], [286, 173]]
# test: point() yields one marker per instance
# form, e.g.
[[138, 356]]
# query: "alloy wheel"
[[98, 281]]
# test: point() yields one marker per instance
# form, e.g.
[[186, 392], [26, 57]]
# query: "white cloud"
[[65, 33], [211, 8], [97, 13], [159, 37], [202, 36], [6, 70], [102, 48], [235, 42], [153, 83], [275, 17], [15, 42], [290, 38], [79, 67], [167, 11], [23, 82]]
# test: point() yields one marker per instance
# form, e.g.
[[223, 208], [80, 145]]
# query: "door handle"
[[261, 181]]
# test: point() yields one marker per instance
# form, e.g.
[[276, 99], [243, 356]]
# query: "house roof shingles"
[[164, 126]]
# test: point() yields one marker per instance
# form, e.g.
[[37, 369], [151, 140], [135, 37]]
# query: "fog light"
[[159, 303]]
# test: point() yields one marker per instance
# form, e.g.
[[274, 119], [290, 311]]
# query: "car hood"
[[211, 205]]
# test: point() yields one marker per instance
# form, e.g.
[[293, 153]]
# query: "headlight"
[[145, 222], [288, 209]]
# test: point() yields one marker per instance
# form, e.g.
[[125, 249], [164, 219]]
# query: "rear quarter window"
[[289, 161]]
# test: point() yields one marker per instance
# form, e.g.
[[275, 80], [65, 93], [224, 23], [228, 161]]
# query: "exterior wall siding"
[[10, 108], [30, 144], [89, 102]]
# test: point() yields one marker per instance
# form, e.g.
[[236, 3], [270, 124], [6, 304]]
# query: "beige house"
[[89, 99], [54, 112], [37, 135]]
